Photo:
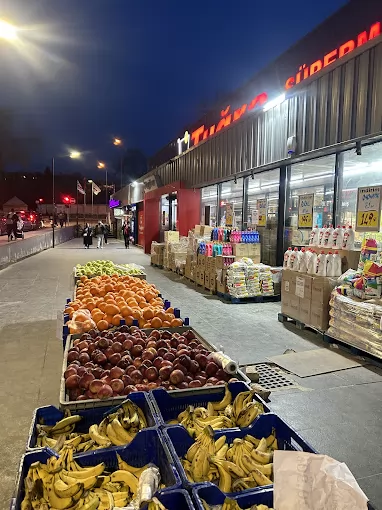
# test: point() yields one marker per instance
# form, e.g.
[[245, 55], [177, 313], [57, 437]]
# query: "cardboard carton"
[[254, 250], [240, 249], [207, 279], [304, 311], [171, 236]]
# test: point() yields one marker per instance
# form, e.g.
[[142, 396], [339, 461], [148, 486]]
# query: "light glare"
[[75, 154], [7, 31]]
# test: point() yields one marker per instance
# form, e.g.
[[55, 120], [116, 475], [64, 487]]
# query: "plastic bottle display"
[[321, 264], [321, 236], [337, 237], [348, 239], [328, 237], [287, 255], [329, 264], [336, 264], [312, 263], [313, 240]]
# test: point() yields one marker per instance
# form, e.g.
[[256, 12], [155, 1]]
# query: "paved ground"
[[339, 413]]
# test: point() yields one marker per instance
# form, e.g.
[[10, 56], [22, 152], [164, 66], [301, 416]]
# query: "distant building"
[[16, 204]]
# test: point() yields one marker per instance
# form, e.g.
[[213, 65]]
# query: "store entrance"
[[169, 212]]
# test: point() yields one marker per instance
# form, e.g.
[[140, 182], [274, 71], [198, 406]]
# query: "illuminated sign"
[[227, 118], [305, 71], [114, 203]]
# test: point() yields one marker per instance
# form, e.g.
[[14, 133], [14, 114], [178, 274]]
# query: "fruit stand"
[[147, 418]]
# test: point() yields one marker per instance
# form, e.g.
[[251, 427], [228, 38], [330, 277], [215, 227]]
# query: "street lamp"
[[101, 165], [7, 31], [73, 155], [118, 143]]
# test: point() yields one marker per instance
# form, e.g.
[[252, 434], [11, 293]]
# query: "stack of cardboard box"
[[306, 298], [157, 253], [252, 251]]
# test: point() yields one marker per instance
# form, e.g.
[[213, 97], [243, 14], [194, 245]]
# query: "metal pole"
[[121, 165], [53, 201], [77, 205], [106, 197], [92, 200]]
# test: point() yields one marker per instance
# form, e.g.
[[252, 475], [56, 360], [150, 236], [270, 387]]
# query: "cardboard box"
[[303, 286], [294, 302], [304, 311], [171, 236], [221, 281], [197, 230], [205, 230], [256, 259], [322, 287], [240, 249], [285, 303], [201, 277], [319, 316], [210, 264], [207, 279], [202, 261], [219, 262], [213, 281], [288, 283], [254, 250]]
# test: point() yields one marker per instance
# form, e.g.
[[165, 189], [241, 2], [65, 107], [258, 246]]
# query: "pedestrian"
[[20, 228], [88, 239], [9, 225], [126, 231], [15, 219], [65, 218], [106, 233], [100, 234], [61, 219]]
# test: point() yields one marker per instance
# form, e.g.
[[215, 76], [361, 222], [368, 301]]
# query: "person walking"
[[106, 233], [9, 224], [88, 239], [126, 231], [61, 218], [19, 228], [100, 234]]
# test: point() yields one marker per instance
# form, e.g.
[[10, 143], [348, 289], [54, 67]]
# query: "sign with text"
[[305, 211], [368, 209], [255, 217], [228, 214], [262, 212]]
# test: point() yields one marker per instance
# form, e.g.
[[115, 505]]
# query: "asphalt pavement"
[[339, 413]]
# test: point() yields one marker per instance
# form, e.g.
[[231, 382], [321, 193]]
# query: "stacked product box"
[[157, 253], [306, 298]]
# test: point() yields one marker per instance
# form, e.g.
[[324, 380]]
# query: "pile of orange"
[[112, 298]]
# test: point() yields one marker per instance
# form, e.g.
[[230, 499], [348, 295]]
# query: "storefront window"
[[231, 194], [169, 212], [357, 171], [209, 205], [310, 177], [262, 211]]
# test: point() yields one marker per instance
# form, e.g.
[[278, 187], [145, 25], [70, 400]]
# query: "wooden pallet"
[[281, 317], [352, 349], [254, 299], [156, 265]]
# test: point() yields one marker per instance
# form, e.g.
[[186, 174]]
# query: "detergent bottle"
[[312, 262], [328, 237], [294, 260], [337, 238], [321, 264], [287, 255], [348, 239], [303, 262], [313, 240], [329, 264], [336, 264], [321, 235]]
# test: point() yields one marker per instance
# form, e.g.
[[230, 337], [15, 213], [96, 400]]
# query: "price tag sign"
[[300, 287], [305, 211], [255, 217], [369, 209], [228, 214], [262, 212]]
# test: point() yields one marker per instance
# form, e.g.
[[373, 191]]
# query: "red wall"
[[141, 225], [188, 211]]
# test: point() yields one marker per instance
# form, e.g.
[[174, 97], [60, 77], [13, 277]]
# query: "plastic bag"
[[81, 322]]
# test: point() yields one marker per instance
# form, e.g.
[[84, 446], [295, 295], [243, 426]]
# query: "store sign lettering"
[[305, 71], [227, 118], [114, 203]]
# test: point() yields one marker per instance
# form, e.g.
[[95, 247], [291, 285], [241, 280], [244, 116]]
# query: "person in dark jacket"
[[126, 231], [106, 233], [88, 239]]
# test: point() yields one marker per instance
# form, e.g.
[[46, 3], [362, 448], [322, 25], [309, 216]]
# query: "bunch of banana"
[[221, 415], [118, 428], [62, 483], [231, 504], [155, 504], [245, 464]]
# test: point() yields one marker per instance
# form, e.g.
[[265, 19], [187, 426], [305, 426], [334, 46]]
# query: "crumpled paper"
[[306, 481]]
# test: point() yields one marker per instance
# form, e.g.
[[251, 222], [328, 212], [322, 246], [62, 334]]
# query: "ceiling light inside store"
[[274, 102]]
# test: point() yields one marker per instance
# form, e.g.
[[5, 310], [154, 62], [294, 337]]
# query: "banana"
[[227, 399], [240, 485], [238, 403], [66, 491], [86, 472], [112, 436], [261, 457], [228, 466], [211, 410], [260, 478], [121, 433], [97, 437], [56, 501], [200, 465], [221, 454], [127, 478], [124, 466], [219, 443], [247, 415], [262, 446], [155, 504], [231, 504], [102, 427], [225, 480], [92, 504], [252, 440], [250, 465], [192, 451], [120, 498], [142, 418]]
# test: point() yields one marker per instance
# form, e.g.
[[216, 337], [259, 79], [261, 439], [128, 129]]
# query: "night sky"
[[88, 70]]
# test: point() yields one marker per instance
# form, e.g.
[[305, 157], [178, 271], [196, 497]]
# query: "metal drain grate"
[[272, 379]]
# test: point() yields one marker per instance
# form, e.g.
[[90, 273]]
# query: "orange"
[[94, 290], [109, 287], [129, 320], [102, 325], [169, 317], [170, 310], [102, 292], [175, 323], [116, 320], [137, 314], [69, 310], [111, 309], [141, 323], [156, 322], [166, 324], [81, 317], [109, 319], [148, 313], [98, 316], [94, 311], [161, 315], [147, 325], [126, 311], [102, 307]]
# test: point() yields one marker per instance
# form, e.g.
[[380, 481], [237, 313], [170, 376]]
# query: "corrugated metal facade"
[[337, 106]]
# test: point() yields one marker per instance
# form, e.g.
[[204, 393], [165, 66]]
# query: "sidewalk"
[[339, 413]]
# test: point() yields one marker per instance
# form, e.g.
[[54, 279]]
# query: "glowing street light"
[[117, 141], [74, 154], [100, 165], [7, 31]]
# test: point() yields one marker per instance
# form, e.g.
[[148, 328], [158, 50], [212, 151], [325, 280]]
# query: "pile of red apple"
[[109, 364]]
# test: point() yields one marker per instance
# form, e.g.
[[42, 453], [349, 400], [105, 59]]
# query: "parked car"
[[29, 219], [3, 225]]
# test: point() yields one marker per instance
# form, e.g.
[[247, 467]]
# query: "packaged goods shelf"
[[147, 447], [73, 405], [179, 441], [252, 299], [168, 406], [50, 415]]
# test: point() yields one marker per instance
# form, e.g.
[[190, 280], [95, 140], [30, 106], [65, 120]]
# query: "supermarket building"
[[308, 124]]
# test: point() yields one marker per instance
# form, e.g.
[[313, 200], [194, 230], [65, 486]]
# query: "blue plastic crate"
[[148, 446], [49, 415], [212, 495], [175, 500], [168, 406], [179, 441]]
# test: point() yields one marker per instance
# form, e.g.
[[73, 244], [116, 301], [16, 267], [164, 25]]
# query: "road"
[[339, 413]]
